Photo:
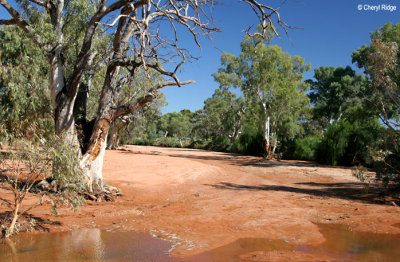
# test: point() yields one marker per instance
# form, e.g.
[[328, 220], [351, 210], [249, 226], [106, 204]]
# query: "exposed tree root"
[[108, 193]]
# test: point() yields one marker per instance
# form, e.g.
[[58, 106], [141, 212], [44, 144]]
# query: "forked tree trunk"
[[90, 156]]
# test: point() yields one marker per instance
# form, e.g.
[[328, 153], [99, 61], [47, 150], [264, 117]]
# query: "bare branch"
[[39, 2], [148, 97], [83, 56], [265, 14], [159, 69], [8, 22], [39, 203]]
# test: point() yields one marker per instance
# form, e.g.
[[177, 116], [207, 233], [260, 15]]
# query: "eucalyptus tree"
[[179, 126], [335, 92], [176, 124], [138, 33], [271, 81], [381, 63], [223, 114]]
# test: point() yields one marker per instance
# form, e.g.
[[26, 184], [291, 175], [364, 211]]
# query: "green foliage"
[[223, 115], [387, 161], [218, 143], [68, 173], [250, 142], [305, 148], [366, 136], [26, 121], [179, 125], [334, 92], [334, 143], [176, 125], [25, 105], [270, 81], [349, 143], [28, 162], [139, 127], [381, 63]]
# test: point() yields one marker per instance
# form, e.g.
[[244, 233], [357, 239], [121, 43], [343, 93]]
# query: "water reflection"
[[233, 251], [347, 245], [85, 245], [95, 245]]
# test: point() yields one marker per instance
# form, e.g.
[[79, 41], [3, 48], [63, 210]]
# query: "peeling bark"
[[92, 166]]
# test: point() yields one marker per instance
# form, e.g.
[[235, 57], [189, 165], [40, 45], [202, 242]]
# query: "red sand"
[[203, 200]]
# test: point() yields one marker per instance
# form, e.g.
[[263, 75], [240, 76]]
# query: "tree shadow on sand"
[[349, 191], [28, 222], [288, 163], [222, 156]]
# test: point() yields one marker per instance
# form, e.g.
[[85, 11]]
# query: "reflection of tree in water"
[[84, 245], [76, 245]]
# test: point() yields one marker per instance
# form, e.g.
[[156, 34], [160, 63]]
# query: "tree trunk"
[[267, 139], [274, 147], [236, 132], [92, 160], [92, 167], [10, 230], [113, 142], [65, 125]]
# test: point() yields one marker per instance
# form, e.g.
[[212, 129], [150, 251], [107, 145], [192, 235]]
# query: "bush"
[[219, 143], [346, 143], [250, 142], [27, 163], [334, 143], [305, 148], [387, 160]]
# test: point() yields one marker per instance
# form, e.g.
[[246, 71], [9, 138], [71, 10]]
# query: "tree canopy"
[[335, 92], [271, 82]]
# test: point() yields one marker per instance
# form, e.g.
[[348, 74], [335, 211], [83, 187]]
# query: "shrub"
[[346, 143], [334, 143], [219, 143], [305, 148], [27, 163], [250, 142]]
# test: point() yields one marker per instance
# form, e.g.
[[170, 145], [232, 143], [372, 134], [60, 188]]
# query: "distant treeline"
[[339, 117]]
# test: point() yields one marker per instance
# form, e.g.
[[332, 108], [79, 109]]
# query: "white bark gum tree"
[[136, 42], [262, 99]]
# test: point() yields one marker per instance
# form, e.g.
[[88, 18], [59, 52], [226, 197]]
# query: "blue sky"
[[332, 30]]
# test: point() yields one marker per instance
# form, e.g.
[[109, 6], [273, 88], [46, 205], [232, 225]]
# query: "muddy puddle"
[[95, 245]]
